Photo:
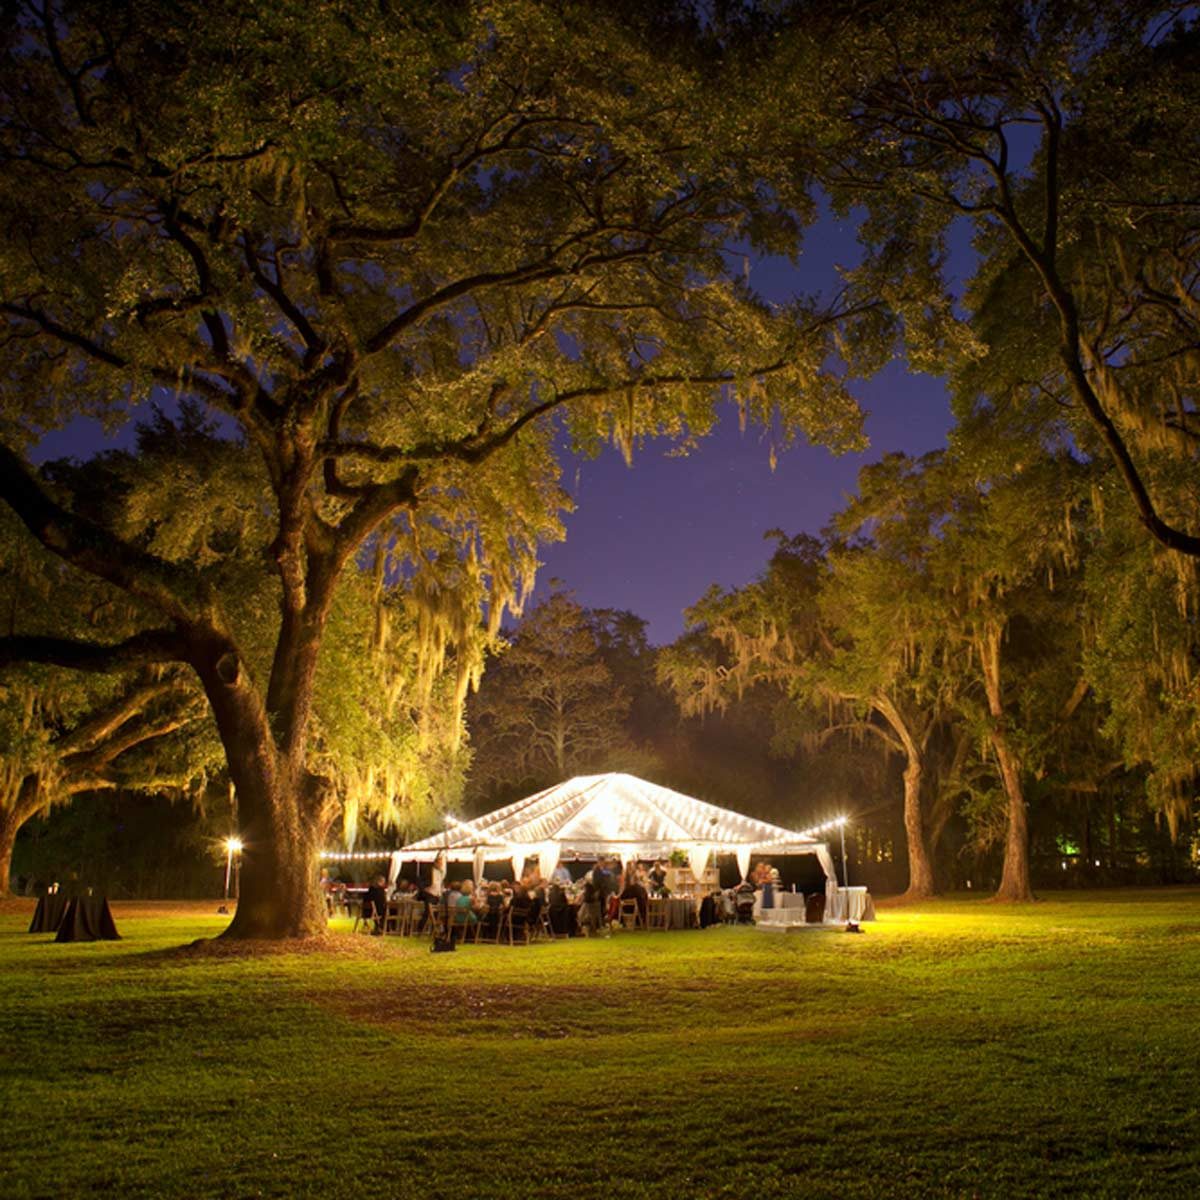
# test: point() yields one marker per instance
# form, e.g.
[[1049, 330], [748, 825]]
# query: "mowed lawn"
[[960, 1049]]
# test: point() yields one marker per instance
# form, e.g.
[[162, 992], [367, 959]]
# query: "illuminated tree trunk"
[[1014, 879], [15, 810], [280, 805], [912, 742], [920, 872]]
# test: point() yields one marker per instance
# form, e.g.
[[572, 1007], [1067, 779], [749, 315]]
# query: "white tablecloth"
[[849, 904]]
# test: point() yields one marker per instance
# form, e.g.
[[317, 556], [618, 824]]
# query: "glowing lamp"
[[233, 847]]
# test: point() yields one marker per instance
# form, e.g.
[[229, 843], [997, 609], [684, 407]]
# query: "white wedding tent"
[[612, 815]]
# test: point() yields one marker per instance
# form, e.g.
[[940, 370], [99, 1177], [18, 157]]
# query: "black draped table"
[[87, 919], [49, 913]]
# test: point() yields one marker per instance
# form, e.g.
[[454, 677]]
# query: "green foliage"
[[549, 706], [1142, 661]]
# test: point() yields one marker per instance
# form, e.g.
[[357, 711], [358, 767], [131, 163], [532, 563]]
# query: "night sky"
[[653, 537]]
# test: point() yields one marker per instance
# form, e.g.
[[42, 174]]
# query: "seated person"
[[633, 890], [658, 879], [374, 905], [520, 908], [465, 905], [493, 905]]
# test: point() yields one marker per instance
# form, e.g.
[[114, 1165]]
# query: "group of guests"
[[587, 906]]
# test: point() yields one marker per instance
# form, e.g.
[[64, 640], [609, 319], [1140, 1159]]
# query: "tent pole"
[[845, 865]]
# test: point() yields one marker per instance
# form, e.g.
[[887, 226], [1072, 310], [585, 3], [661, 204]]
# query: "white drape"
[[518, 864], [826, 861], [394, 870], [478, 866], [743, 861], [547, 859], [698, 859]]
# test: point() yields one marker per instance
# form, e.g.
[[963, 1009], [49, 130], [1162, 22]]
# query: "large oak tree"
[[387, 246]]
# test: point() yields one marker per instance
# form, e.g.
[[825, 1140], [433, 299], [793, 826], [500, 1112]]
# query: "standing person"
[[427, 895], [559, 909], [605, 884], [328, 890], [765, 876], [589, 907]]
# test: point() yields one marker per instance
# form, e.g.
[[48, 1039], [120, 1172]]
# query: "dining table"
[[680, 911]]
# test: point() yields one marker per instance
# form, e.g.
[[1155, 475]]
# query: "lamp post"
[[233, 847], [845, 865]]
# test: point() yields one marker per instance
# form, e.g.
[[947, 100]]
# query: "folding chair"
[[364, 917], [516, 924], [630, 915]]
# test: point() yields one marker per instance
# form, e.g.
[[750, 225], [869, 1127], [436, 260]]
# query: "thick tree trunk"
[[920, 871], [279, 892], [1014, 880], [8, 836], [279, 812], [13, 814], [912, 741]]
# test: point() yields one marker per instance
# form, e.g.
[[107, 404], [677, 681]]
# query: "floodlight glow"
[[233, 845]]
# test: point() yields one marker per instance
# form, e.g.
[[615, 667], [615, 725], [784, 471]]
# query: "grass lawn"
[[959, 1049]]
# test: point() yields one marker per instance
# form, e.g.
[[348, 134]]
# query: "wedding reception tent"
[[614, 815]]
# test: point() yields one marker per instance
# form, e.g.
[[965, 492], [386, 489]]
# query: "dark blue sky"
[[652, 537]]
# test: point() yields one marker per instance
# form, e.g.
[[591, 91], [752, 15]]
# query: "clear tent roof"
[[610, 814]]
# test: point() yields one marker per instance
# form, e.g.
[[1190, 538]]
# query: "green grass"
[[962, 1049]]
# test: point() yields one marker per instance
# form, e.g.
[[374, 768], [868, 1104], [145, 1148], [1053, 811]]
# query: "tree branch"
[[95, 550], [153, 646]]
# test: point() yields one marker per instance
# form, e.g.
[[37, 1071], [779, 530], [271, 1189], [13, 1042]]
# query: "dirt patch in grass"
[[467, 1009], [335, 946]]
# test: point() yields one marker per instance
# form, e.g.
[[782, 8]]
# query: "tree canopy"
[[387, 249]]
